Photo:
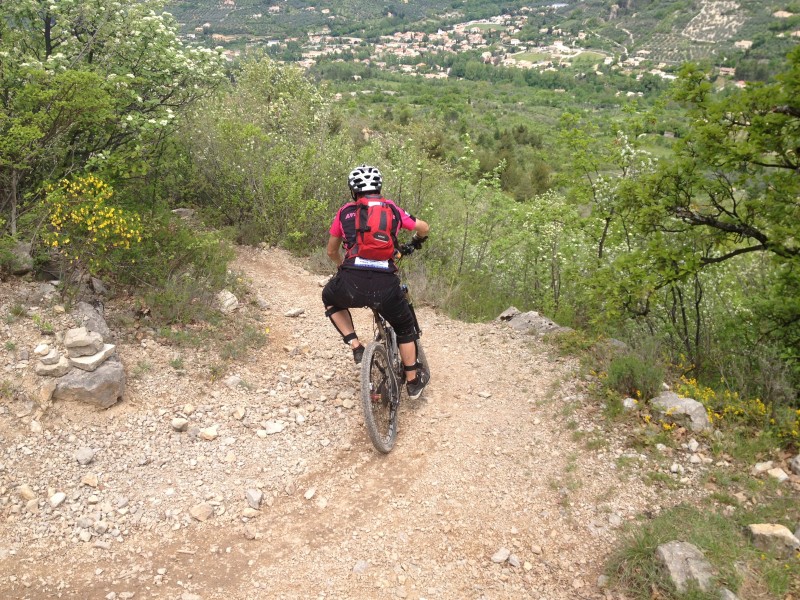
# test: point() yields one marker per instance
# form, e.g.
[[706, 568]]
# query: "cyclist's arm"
[[334, 243], [421, 228]]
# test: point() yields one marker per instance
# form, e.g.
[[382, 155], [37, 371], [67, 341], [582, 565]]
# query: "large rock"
[[683, 411], [92, 319], [530, 322], [775, 538], [794, 465], [685, 563], [22, 261], [102, 387]]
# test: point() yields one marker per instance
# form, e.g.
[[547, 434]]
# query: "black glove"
[[417, 241]]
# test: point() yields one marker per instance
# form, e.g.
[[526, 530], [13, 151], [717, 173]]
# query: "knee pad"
[[403, 338]]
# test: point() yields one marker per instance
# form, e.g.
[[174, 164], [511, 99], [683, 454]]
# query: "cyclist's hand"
[[417, 241]]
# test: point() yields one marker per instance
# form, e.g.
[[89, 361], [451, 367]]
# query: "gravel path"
[[502, 484]]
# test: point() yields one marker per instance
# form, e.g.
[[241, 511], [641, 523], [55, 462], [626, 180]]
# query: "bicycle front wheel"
[[379, 397]]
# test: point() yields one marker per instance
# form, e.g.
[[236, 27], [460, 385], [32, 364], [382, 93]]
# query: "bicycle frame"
[[383, 378]]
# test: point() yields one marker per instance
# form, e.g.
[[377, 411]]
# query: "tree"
[[89, 84], [729, 196], [263, 160]]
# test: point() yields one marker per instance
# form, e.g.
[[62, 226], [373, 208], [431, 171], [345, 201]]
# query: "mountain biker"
[[364, 282]]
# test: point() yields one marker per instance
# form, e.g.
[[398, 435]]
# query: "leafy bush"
[[8, 261], [85, 228], [726, 407], [635, 377], [180, 269]]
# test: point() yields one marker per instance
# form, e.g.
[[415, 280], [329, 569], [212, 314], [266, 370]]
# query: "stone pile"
[[94, 379], [86, 349]]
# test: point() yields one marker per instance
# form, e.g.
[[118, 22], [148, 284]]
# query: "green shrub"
[[182, 299], [633, 376], [181, 271], [85, 226], [8, 261], [729, 408]]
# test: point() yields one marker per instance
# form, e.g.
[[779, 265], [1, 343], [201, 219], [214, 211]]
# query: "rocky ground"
[[504, 482]]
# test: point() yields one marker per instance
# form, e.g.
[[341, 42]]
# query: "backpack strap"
[[362, 208]]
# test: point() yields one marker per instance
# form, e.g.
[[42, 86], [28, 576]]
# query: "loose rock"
[[84, 456], [776, 538], [201, 512], [501, 555], [254, 498], [684, 562]]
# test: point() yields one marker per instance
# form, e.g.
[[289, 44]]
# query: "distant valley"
[[418, 36]]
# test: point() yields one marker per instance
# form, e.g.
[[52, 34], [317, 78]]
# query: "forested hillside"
[[663, 216]]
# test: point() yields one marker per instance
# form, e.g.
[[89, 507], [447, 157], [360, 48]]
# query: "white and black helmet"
[[365, 178]]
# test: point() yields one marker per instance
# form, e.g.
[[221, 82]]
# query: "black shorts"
[[360, 288]]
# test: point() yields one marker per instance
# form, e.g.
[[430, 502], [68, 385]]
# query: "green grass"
[[613, 408], [724, 498], [588, 58], [531, 56], [626, 462], [7, 389], [184, 337], [488, 26], [745, 444], [43, 325], [247, 339], [650, 436], [141, 369], [596, 443], [739, 565], [659, 479]]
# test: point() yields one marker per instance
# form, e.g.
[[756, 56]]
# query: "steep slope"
[[493, 457]]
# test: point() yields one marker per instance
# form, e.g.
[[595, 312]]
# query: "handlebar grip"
[[407, 249]]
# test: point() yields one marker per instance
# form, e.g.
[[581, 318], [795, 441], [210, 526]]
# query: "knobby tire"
[[379, 391], [423, 360]]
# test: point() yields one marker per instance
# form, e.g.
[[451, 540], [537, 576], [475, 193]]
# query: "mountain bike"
[[383, 377]]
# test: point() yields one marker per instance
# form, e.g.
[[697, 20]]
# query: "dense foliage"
[[90, 93], [552, 192]]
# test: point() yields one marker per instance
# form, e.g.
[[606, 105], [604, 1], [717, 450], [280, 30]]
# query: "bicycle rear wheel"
[[423, 360], [379, 397]]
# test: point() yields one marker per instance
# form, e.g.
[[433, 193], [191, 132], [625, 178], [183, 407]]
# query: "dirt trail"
[[493, 457]]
